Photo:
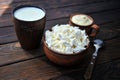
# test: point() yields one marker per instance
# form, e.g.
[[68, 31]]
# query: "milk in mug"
[[29, 13]]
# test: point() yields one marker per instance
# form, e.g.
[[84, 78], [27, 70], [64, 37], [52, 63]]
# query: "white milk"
[[29, 14]]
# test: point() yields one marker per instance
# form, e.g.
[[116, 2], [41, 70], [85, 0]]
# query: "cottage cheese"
[[66, 39]]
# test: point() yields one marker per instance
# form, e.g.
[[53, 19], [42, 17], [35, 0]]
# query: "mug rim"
[[81, 14], [22, 6]]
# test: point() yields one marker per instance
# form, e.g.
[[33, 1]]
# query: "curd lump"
[[66, 39]]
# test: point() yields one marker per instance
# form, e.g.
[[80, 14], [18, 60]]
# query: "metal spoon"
[[98, 44]]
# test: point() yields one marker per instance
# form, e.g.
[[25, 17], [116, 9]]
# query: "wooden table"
[[18, 64]]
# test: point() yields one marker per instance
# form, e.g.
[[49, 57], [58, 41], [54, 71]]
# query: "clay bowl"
[[61, 58]]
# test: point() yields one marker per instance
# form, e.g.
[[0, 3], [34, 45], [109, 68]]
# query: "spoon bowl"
[[98, 42]]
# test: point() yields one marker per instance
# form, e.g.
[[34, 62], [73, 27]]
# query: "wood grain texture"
[[41, 66], [66, 11], [110, 52], [106, 18], [96, 10], [18, 64], [46, 4], [15, 54], [36, 69], [108, 71]]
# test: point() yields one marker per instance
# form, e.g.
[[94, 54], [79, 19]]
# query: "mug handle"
[[95, 30]]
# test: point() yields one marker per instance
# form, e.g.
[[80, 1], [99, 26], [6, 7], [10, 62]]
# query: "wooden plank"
[[37, 69], [107, 34], [7, 31], [110, 52], [107, 17], [7, 34], [41, 68], [23, 1], [112, 25], [14, 53], [66, 11], [110, 70], [47, 4], [88, 9]]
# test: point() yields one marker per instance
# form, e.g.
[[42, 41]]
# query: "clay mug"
[[90, 27], [29, 22]]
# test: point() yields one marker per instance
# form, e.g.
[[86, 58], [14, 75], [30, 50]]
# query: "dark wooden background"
[[17, 64]]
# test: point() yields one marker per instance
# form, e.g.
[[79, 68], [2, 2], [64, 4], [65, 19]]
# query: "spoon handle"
[[89, 69]]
